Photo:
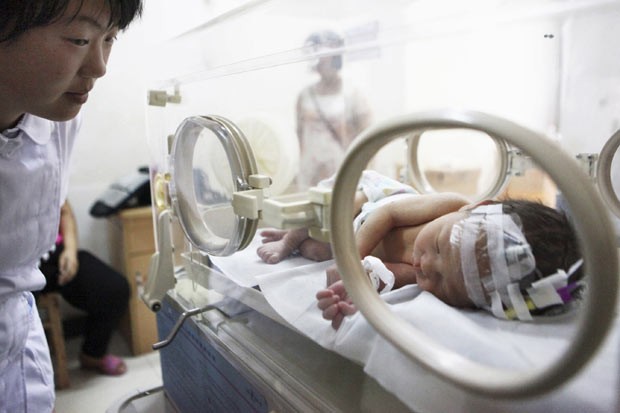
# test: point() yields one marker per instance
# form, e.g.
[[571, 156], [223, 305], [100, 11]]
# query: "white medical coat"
[[34, 159]]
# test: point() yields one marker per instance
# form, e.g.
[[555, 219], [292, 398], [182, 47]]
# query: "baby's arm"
[[403, 274], [404, 212], [334, 301]]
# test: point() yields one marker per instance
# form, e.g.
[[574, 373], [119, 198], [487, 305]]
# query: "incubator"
[[468, 97]]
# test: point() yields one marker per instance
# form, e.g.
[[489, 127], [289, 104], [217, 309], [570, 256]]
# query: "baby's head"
[[518, 258], [515, 259]]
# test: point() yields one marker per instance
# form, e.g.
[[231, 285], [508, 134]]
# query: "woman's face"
[[49, 70], [328, 66], [437, 262]]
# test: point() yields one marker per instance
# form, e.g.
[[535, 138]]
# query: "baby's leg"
[[315, 250], [279, 244], [272, 252]]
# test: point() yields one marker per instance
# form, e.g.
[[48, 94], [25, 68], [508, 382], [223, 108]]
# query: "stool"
[[49, 310]]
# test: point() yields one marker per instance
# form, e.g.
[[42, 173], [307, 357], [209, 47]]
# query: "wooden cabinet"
[[132, 244], [534, 185]]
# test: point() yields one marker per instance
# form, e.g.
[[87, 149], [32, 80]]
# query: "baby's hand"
[[335, 303]]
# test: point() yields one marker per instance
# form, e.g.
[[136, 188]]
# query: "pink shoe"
[[109, 364]]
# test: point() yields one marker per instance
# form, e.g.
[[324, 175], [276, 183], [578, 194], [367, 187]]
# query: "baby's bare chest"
[[397, 246]]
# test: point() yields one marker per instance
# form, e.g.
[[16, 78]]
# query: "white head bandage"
[[495, 257]]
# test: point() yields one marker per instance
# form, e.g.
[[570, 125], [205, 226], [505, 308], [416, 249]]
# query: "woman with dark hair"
[[51, 54], [330, 112]]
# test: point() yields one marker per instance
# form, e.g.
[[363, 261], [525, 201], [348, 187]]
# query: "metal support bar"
[[177, 326]]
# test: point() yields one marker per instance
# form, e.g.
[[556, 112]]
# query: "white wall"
[[519, 80], [113, 141], [591, 81]]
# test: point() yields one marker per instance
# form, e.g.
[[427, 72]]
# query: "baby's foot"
[[275, 251], [316, 250], [272, 235]]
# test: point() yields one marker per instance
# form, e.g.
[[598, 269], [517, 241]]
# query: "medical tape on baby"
[[546, 292], [471, 228], [494, 229], [505, 237], [518, 302], [377, 272], [469, 264], [497, 307], [505, 240], [509, 255]]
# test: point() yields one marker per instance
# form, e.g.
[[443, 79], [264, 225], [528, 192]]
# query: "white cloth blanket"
[[290, 288]]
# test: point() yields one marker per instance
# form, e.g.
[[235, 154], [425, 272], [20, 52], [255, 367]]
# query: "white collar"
[[37, 129]]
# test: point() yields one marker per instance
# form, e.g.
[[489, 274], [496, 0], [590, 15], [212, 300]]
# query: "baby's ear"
[[477, 204]]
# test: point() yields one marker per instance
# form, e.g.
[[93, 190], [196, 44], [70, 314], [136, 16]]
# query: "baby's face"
[[437, 262]]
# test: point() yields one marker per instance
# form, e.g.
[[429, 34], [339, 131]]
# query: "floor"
[[94, 393]]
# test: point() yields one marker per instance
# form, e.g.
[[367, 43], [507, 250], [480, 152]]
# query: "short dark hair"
[[552, 238], [549, 233], [325, 38], [19, 16]]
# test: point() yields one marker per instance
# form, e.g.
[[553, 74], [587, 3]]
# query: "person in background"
[[51, 54], [330, 113], [89, 284]]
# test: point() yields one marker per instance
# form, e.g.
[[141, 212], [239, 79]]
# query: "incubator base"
[[236, 359]]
